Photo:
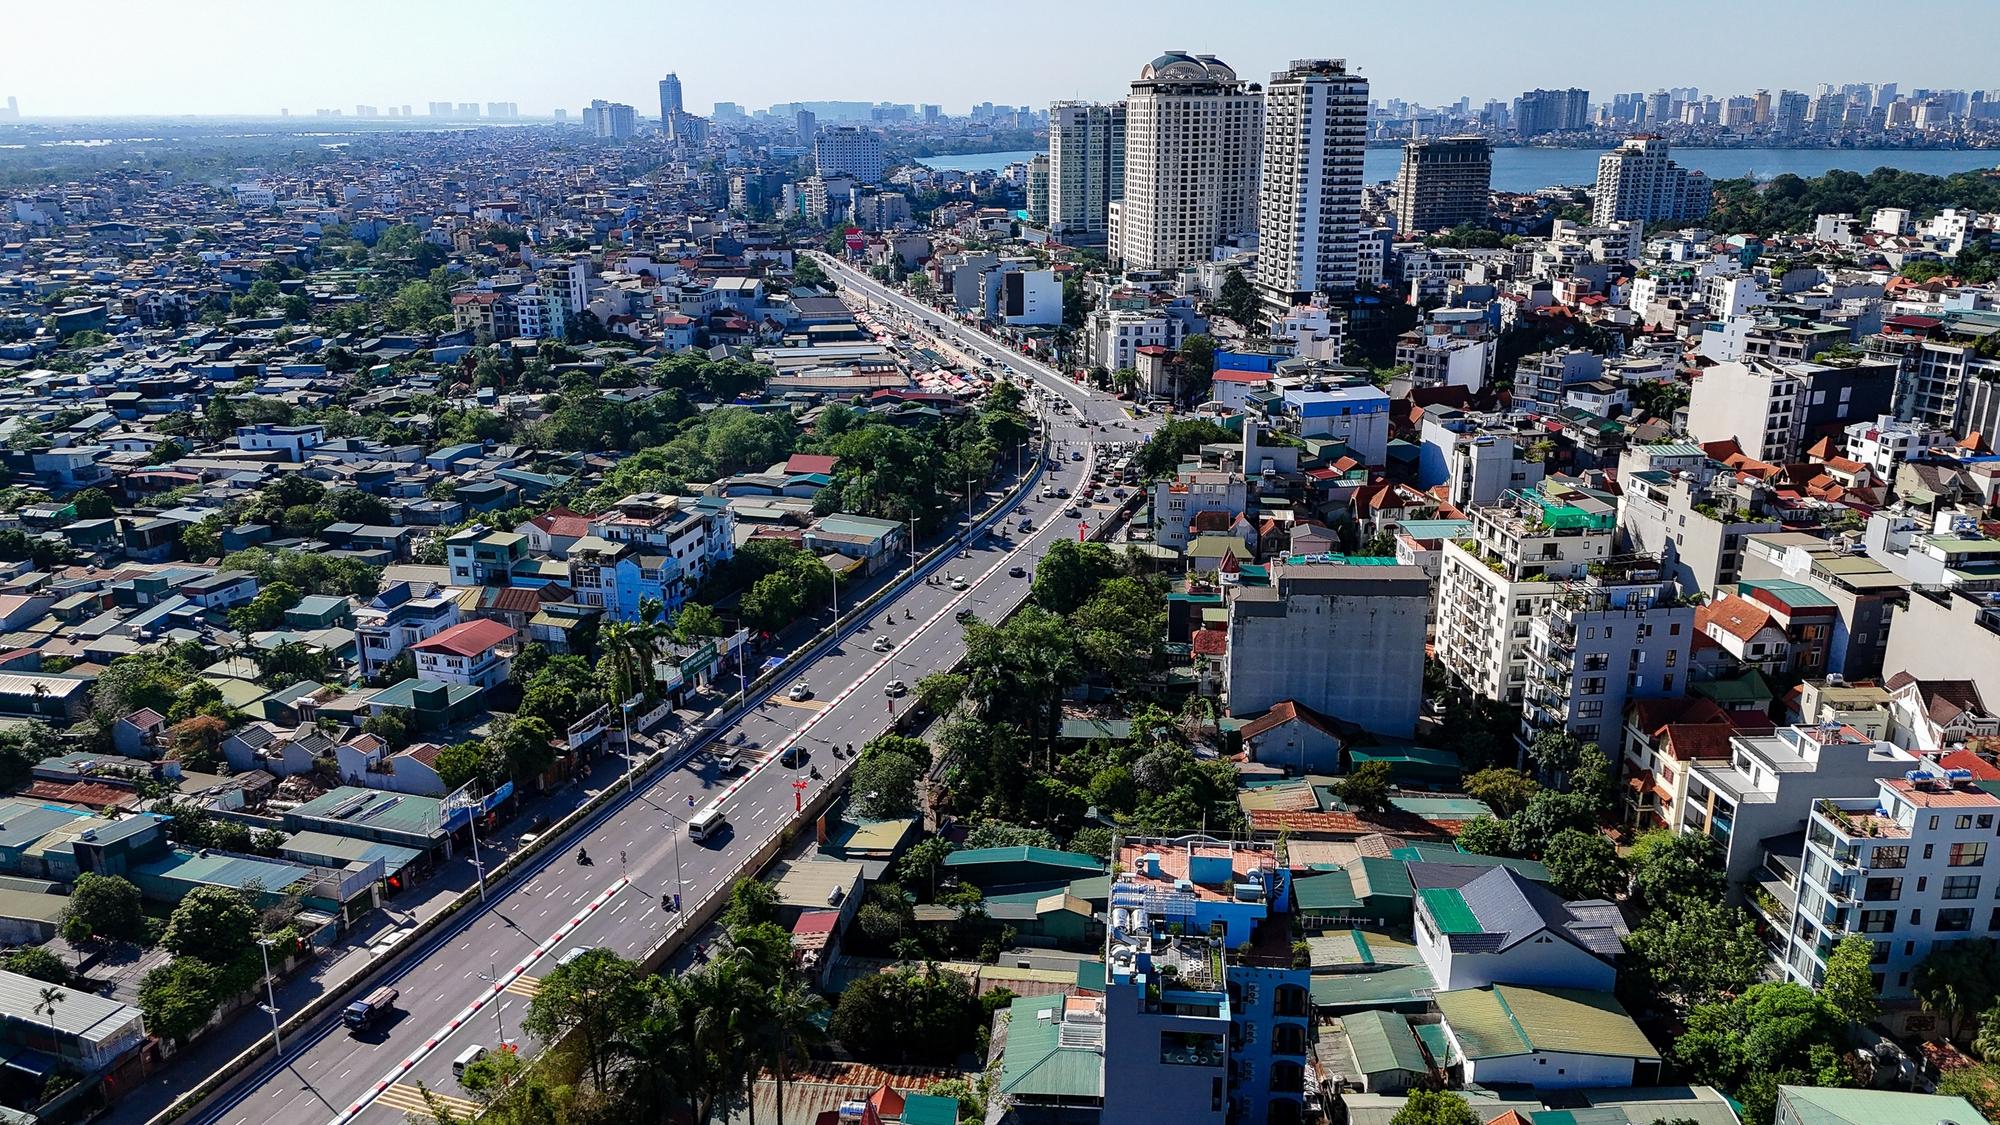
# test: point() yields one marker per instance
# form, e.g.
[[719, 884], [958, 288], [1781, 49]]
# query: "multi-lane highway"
[[640, 850]]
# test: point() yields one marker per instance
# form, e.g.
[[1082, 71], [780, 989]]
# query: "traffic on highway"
[[617, 882]]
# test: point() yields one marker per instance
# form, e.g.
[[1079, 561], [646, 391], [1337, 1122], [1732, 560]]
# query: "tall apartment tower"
[[1038, 189], [670, 99], [806, 122], [1443, 182], [1086, 168], [1309, 193], [848, 150], [1193, 135], [1638, 181], [611, 121], [1551, 111]]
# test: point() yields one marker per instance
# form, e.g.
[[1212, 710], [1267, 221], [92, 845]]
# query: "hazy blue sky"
[[256, 56]]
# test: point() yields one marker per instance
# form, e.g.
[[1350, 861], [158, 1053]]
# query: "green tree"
[[1674, 867], [1771, 1027], [1584, 865], [37, 962], [752, 902], [695, 622], [1238, 298], [1070, 573], [180, 997], [885, 776], [1959, 980], [1366, 787], [908, 1015], [93, 504], [920, 867], [103, 907], [1985, 1044], [1850, 982], [1173, 441], [591, 998], [1505, 791], [212, 924], [1434, 1107], [1486, 835], [1695, 953]]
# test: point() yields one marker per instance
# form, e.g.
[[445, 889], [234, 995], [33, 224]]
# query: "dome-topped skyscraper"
[[1193, 137]]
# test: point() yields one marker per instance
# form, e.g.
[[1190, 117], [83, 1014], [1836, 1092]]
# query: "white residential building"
[[1193, 139], [848, 150], [1616, 635], [1309, 192], [1886, 442], [1493, 584], [1086, 168], [1905, 865], [1638, 181]]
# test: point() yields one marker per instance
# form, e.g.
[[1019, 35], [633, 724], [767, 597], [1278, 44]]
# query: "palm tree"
[[656, 1065], [794, 1025], [51, 997]]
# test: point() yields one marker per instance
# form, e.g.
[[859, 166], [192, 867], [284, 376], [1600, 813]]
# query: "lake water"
[[1526, 169]]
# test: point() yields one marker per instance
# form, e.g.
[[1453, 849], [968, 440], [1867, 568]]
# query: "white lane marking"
[[466, 1013]]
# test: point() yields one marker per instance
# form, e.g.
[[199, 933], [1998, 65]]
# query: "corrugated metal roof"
[[1821, 1106], [1448, 909], [1404, 985], [86, 1016], [1382, 1042], [1036, 1065], [1510, 1020]]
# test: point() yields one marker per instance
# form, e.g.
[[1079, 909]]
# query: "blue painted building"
[[1204, 1018]]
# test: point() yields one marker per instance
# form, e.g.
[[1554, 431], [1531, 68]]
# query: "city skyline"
[[141, 55]]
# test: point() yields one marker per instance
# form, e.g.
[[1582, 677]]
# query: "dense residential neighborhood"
[[770, 615]]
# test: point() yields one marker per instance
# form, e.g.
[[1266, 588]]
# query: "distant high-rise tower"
[[611, 121], [1443, 182], [670, 102], [1086, 168], [848, 150], [1551, 111], [1309, 191], [1038, 189], [1637, 181], [13, 109], [1193, 135], [806, 122]]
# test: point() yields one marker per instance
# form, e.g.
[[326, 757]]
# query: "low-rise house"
[[474, 653], [1545, 1038], [1479, 926]]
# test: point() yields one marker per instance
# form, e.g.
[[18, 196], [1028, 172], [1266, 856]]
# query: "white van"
[[706, 823], [466, 1058]]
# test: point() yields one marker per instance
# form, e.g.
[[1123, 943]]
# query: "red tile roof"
[[468, 638], [1982, 770], [811, 463]]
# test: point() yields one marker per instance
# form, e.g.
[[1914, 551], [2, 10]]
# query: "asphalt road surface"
[[639, 849]]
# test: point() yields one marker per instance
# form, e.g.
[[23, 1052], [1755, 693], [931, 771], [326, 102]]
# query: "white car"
[[958, 582], [883, 644], [799, 693], [896, 689]]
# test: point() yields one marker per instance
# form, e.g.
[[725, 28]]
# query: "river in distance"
[[1529, 169]]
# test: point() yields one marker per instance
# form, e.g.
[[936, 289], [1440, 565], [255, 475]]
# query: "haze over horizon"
[[239, 58]]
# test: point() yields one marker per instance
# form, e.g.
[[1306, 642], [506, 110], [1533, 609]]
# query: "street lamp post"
[[270, 995], [492, 976], [478, 868]]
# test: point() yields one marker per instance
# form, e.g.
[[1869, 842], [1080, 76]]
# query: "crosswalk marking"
[[410, 1099], [525, 985]]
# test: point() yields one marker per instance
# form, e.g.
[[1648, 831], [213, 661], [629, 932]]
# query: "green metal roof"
[[1324, 893], [1408, 984], [1075, 861], [1433, 1037], [1447, 908], [1510, 1020], [1815, 1105], [1798, 595], [1384, 878], [929, 1109], [1382, 1041], [1035, 1064]]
